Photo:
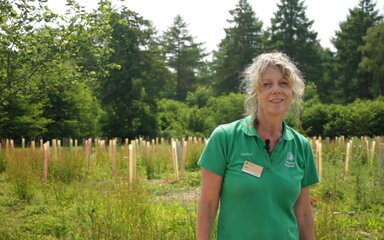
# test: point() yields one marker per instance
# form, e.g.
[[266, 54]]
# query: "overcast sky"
[[207, 19]]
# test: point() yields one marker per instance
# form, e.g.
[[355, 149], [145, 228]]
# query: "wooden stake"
[[130, 165], [347, 158], [319, 160], [372, 152], [113, 156], [54, 149], [88, 151], [367, 147], [134, 158], [33, 145], [46, 160], [183, 158], [22, 142], [175, 162]]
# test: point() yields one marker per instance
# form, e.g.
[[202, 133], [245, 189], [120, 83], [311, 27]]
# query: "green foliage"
[[360, 118], [177, 119], [243, 41], [23, 115], [39, 54], [372, 58], [128, 94], [291, 33], [172, 117], [352, 82], [183, 56], [72, 109], [199, 97], [103, 73], [225, 109]]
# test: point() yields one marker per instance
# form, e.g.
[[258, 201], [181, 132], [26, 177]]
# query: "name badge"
[[253, 169]]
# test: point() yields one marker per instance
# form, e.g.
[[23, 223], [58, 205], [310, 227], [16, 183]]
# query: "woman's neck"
[[269, 128]]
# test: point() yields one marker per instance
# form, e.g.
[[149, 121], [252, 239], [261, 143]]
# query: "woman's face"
[[275, 93]]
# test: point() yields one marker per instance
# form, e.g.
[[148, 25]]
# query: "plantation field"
[[93, 200]]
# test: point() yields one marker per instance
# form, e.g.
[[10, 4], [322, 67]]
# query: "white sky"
[[207, 19]]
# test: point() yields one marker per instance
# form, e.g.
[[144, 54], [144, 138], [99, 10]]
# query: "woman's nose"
[[276, 89]]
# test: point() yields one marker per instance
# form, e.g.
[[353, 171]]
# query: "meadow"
[[88, 197]]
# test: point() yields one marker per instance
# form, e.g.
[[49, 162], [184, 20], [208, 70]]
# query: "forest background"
[[109, 73]]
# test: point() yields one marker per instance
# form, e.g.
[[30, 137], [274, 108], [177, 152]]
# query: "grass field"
[[78, 202]]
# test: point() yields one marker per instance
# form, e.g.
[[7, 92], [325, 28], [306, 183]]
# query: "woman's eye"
[[265, 85]]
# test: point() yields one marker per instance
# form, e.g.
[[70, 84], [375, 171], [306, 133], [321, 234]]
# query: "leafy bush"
[[360, 118]]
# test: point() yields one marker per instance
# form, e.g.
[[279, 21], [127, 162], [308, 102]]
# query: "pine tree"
[[183, 55], [291, 33], [129, 93], [373, 58], [351, 83], [242, 43]]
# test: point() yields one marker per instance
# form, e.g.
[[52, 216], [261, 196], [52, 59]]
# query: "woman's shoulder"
[[233, 126], [296, 134], [230, 129]]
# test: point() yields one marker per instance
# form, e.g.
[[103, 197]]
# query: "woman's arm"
[[208, 203], [303, 211]]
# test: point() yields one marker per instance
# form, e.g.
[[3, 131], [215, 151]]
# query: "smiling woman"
[[258, 168], [275, 93]]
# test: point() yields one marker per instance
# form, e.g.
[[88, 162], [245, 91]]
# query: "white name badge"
[[253, 169]]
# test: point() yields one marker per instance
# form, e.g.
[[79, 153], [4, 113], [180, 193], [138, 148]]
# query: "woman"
[[258, 168]]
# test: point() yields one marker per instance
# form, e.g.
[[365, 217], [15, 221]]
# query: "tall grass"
[[20, 168], [68, 167], [2, 162], [82, 203], [349, 206]]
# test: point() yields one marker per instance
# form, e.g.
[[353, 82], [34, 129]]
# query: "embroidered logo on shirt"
[[246, 154], [290, 162]]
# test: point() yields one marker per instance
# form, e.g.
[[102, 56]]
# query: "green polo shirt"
[[258, 207]]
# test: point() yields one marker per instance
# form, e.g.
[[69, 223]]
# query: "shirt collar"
[[250, 130]]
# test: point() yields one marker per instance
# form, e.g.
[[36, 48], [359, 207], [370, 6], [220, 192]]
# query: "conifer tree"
[[351, 83], [243, 42], [291, 33], [373, 58], [183, 55]]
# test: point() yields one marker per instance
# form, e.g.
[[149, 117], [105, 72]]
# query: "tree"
[[22, 115], [40, 52], [32, 36], [243, 41], [291, 33], [351, 83], [130, 91], [183, 55], [70, 106], [373, 58]]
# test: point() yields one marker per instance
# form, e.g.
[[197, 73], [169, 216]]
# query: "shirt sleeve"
[[310, 172], [214, 154]]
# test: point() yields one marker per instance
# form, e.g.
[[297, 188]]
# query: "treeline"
[[111, 73]]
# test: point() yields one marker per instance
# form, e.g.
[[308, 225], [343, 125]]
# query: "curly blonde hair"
[[251, 81]]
